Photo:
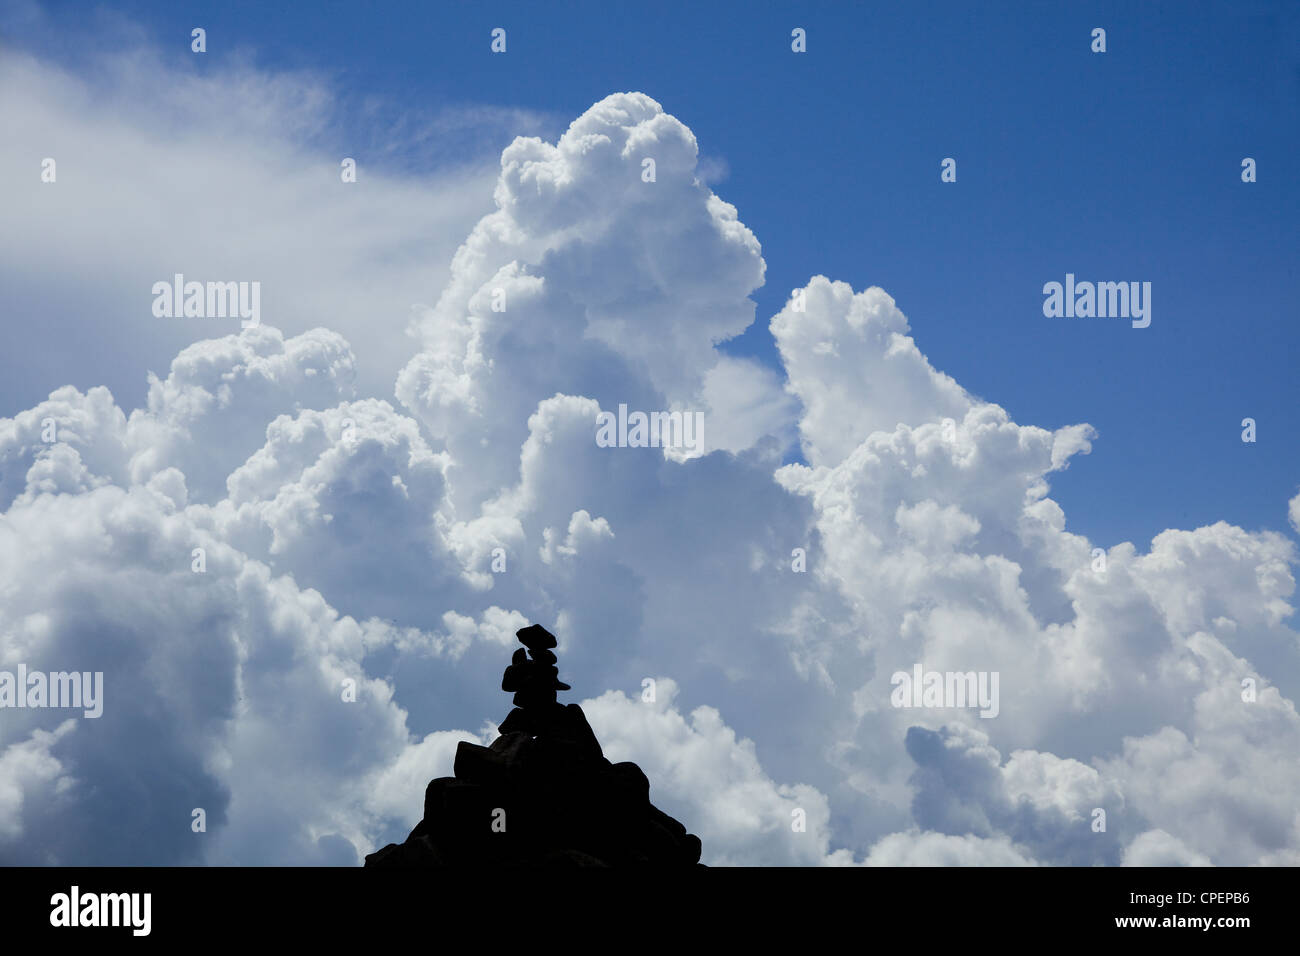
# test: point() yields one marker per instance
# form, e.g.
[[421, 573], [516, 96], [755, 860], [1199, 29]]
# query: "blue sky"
[[1115, 166]]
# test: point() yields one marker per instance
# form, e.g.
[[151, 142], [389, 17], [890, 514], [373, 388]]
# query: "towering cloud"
[[364, 564]]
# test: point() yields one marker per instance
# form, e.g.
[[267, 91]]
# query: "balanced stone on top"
[[535, 637]]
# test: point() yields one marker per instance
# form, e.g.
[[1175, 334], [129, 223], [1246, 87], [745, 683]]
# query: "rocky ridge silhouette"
[[543, 794]]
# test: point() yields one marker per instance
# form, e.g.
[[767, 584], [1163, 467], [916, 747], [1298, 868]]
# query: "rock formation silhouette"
[[543, 793]]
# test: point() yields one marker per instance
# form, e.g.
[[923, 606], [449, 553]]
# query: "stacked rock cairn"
[[543, 794]]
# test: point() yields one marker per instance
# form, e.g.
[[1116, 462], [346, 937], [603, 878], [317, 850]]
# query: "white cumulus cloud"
[[353, 547]]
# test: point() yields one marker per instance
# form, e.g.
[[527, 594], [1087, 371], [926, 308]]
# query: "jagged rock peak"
[[543, 793]]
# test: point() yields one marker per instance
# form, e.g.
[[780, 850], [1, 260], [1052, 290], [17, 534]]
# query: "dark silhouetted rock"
[[543, 793], [534, 636]]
